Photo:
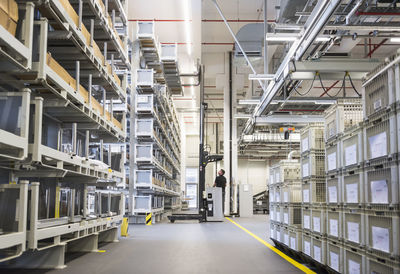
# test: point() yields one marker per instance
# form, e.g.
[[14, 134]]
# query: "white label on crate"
[[378, 104], [379, 192], [304, 144], [350, 155], [378, 145], [332, 194], [306, 221], [285, 197], [278, 235], [306, 172], [293, 243], [332, 161], [286, 239], [306, 196], [271, 179], [380, 238], [317, 253], [316, 224], [277, 177], [277, 197], [334, 261], [354, 267], [307, 248], [143, 99], [352, 193], [272, 233], [353, 232], [278, 216], [333, 227], [286, 218]]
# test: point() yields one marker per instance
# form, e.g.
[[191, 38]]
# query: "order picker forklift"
[[204, 159]]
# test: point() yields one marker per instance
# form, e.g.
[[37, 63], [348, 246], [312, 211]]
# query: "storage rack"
[[61, 137], [156, 173]]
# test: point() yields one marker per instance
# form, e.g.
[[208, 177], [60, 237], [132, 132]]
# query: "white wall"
[[255, 173]]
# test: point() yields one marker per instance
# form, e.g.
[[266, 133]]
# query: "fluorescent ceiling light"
[[262, 77], [242, 116], [395, 39], [322, 39], [186, 12], [249, 102], [281, 38]]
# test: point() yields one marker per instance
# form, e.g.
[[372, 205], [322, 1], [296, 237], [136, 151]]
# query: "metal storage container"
[[272, 227], [318, 220], [144, 153], [352, 148], [380, 265], [169, 52], [145, 29], [144, 128], [286, 170], [306, 212], [353, 190], [291, 215], [295, 238], [285, 236], [333, 153], [307, 245], [144, 103], [145, 77], [319, 249], [143, 178], [291, 193]]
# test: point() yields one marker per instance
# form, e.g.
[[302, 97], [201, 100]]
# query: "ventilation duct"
[[251, 38]]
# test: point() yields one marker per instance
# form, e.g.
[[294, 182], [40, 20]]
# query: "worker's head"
[[221, 172]]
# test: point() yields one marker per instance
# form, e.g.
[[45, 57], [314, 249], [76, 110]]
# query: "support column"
[[227, 130]]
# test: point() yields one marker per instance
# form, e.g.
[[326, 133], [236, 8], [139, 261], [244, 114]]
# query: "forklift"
[[205, 200]]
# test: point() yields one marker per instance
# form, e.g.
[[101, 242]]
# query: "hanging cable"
[[296, 86], [352, 85], [326, 90]]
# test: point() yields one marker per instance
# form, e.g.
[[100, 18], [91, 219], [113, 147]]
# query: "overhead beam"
[[335, 65], [292, 119], [326, 76]]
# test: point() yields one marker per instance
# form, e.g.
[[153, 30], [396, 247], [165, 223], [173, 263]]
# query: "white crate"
[[380, 265], [334, 191], [335, 256], [272, 227], [295, 238], [334, 222], [313, 165], [318, 220], [341, 116], [380, 140], [354, 227], [314, 192], [383, 234], [285, 236], [144, 103], [354, 261], [286, 170], [145, 29], [279, 233], [144, 153], [291, 193], [145, 77], [353, 189], [312, 138], [382, 186], [352, 148], [144, 178], [307, 219], [169, 52], [319, 249], [307, 245], [291, 215], [333, 157], [278, 214], [144, 127], [142, 203]]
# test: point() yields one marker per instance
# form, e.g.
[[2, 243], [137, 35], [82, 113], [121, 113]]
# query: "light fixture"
[[186, 12], [281, 38], [322, 39], [262, 77], [395, 39], [248, 102]]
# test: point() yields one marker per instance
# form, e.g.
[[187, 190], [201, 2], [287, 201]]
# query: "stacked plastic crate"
[[381, 227], [313, 192], [285, 204], [344, 172]]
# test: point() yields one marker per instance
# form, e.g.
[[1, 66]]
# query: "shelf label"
[[380, 238], [378, 145], [316, 224], [332, 161], [352, 193], [354, 267], [332, 194], [350, 155], [334, 261], [353, 232], [333, 227]]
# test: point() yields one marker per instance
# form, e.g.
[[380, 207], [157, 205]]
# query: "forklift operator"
[[220, 181]]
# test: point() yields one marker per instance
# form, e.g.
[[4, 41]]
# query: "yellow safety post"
[[57, 207], [124, 227], [148, 218]]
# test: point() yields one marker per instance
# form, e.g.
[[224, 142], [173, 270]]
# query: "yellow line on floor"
[[277, 251], [101, 251]]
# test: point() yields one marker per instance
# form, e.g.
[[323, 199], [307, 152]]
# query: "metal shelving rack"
[[64, 100], [156, 146]]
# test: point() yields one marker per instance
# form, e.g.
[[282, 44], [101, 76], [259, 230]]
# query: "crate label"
[[286, 239], [350, 155], [285, 197], [353, 232], [354, 267], [334, 261], [316, 224], [317, 253], [271, 179], [278, 216], [332, 129], [378, 104], [277, 177], [379, 192], [278, 235], [352, 193], [306, 221], [286, 218], [143, 99], [272, 233], [306, 172], [333, 227], [277, 197], [380, 238], [307, 248], [378, 145], [332, 194], [304, 144], [332, 161], [306, 196], [272, 198], [293, 243]]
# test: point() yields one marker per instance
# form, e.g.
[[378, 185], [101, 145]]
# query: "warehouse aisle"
[[186, 248]]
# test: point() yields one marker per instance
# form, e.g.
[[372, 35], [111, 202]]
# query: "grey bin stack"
[[285, 204], [156, 135], [62, 137]]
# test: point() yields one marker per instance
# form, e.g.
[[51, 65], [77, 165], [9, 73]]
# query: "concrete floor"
[[184, 247]]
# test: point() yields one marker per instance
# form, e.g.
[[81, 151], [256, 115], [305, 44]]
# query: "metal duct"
[[288, 9], [251, 38]]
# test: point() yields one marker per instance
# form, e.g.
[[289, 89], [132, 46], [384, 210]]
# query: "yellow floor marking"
[[101, 251], [277, 251]]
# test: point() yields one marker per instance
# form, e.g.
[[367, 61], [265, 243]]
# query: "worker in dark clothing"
[[220, 181]]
